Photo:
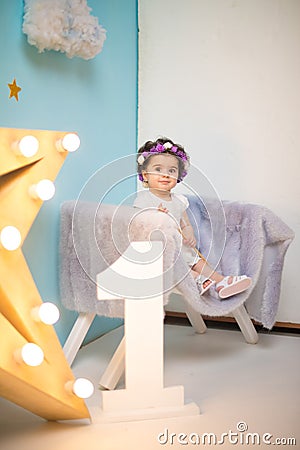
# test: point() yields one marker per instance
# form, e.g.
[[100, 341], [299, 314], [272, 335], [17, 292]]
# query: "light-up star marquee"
[[43, 385]]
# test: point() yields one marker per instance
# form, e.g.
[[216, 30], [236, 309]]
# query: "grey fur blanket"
[[251, 240]]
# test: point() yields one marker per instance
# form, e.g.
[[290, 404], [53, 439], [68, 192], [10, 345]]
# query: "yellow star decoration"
[[14, 90], [41, 389]]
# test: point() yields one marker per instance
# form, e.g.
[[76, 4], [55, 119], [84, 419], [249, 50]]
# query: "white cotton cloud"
[[65, 26]]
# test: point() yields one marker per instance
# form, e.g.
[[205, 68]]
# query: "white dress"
[[146, 200]]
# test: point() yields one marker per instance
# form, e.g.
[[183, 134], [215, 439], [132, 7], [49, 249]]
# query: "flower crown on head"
[[169, 148]]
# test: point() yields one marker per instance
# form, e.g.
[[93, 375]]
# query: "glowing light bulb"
[[30, 354], [10, 238], [43, 190], [27, 146], [69, 143], [47, 312], [82, 387]]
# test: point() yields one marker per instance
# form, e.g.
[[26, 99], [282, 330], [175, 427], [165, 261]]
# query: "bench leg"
[[77, 335], [245, 323], [196, 320], [115, 368]]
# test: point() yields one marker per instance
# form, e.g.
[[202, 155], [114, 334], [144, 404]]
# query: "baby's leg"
[[201, 267]]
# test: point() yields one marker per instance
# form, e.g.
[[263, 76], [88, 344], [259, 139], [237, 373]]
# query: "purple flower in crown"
[[182, 155], [174, 149], [160, 148]]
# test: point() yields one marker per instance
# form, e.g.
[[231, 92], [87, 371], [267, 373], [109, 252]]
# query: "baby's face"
[[162, 172]]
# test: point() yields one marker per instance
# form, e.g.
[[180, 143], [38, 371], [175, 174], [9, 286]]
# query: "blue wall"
[[96, 98]]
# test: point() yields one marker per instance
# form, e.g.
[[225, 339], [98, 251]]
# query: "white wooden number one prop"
[[138, 275]]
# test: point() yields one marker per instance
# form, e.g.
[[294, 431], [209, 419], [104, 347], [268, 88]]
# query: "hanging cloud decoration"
[[63, 25]]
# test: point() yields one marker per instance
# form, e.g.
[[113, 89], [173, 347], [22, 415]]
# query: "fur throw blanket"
[[92, 237]]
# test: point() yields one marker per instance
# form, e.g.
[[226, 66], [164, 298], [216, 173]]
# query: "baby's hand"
[[188, 236], [162, 208]]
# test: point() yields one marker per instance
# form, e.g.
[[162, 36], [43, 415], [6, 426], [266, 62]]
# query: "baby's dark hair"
[[162, 145]]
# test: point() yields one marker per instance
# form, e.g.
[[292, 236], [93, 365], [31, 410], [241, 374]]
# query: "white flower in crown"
[[168, 145], [141, 159]]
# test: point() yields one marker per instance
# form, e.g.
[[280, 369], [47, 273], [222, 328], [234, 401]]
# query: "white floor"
[[235, 385]]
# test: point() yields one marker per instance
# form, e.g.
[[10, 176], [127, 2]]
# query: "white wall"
[[222, 78]]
